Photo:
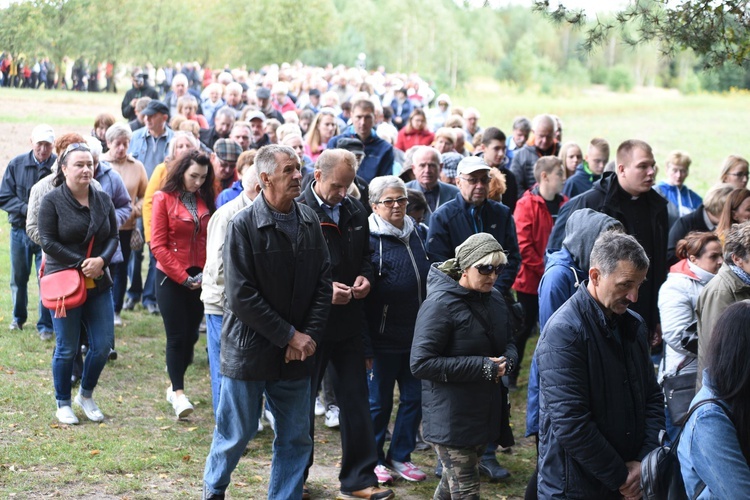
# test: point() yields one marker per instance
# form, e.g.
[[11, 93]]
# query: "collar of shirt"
[[331, 211]]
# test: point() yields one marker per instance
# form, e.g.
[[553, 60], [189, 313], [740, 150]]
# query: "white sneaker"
[[118, 320], [170, 395], [332, 416], [182, 406], [271, 419], [320, 410], [65, 415], [89, 407], [260, 425]]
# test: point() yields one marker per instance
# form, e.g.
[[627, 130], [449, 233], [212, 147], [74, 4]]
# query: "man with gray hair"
[[427, 164], [524, 159], [346, 230], [223, 123], [278, 296], [601, 408]]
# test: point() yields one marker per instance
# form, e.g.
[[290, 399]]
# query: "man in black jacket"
[[278, 295], [141, 88], [346, 230], [627, 196], [601, 408]]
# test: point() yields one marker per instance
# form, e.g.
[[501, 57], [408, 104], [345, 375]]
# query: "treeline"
[[442, 40]]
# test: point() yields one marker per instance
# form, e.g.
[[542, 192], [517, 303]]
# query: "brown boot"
[[371, 493]]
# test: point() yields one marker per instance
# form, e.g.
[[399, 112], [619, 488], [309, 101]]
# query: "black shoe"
[[493, 470], [207, 495], [129, 304], [15, 325], [153, 309], [112, 355]]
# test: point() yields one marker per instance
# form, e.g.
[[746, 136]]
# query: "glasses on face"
[[389, 202], [488, 269], [739, 175], [473, 180]]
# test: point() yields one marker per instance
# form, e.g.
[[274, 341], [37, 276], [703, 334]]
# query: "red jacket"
[[175, 243], [407, 139], [533, 227]]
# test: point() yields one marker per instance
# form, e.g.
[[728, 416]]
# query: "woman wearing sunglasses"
[[70, 216], [462, 347]]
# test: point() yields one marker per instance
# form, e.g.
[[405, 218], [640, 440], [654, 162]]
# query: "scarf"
[[741, 274], [701, 273], [378, 225]]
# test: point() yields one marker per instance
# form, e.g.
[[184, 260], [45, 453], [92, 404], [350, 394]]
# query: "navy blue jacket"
[[406, 109], [378, 158], [453, 222], [20, 176], [398, 288], [580, 182]]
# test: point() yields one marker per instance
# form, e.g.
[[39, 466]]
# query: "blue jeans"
[[137, 287], [213, 339], [22, 252], [97, 316], [120, 271], [387, 369], [237, 423]]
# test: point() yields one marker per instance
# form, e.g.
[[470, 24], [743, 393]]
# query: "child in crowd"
[[590, 170]]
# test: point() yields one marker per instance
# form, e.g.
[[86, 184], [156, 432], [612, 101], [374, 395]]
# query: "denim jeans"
[[237, 423], [22, 252], [387, 369], [97, 315], [120, 271], [213, 340], [139, 291]]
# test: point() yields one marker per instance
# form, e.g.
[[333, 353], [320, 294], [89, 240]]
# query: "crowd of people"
[[338, 233]]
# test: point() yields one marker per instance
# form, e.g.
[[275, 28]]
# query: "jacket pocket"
[[383, 319]]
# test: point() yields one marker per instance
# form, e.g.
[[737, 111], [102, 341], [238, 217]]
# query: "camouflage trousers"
[[460, 472]]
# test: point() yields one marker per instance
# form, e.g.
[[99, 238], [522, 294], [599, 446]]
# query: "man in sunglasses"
[[471, 212]]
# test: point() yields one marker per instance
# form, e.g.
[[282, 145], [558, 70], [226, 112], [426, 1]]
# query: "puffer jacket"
[[399, 287], [271, 289], [600, 404], [460, 408], [176, 242]]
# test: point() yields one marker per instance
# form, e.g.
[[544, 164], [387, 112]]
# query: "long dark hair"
[[728, 369], [175, 182]]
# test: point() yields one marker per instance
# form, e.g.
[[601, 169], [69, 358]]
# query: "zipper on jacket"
[[416, 272], [382, 320]]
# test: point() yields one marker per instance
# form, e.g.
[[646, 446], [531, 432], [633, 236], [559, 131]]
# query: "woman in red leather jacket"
[[179, 223]]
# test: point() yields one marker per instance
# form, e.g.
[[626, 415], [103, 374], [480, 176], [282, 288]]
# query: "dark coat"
[[600, 404], [349, 247], [694, 221], [20, 176], [271, 289], [378, 158], [460, 408], [128, 111], [399, 287], [452, 223], [580, 182]]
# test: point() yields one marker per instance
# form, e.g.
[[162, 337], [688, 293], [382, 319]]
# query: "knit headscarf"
[[475, 248]]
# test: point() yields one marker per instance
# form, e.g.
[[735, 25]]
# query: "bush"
[[620, 79]]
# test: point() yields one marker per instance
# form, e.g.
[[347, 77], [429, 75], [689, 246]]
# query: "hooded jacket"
[[581, 181], [460, 408], [600, 404], [399, 286]]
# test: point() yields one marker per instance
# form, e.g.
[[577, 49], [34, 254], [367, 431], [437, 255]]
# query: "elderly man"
[[233, 98], [601, 407], [427, 165], [627, 196], [149, 146], [241, 134], [522, 165], [212, 289], [378, 153], [140, 89], [345, 227], [223, 124], [180, 87], [472, 128], [22, 173], [258, 136], [263, 94], [278, 297], [224, 161]]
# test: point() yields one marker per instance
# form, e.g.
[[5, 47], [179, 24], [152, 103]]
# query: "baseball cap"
[[263, 93], [156, 107], [351, 144], [43, 133], [471, 164], [256, 115], [227, 150], [314, 92]]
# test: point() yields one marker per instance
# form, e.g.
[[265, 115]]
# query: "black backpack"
[[661, 478]]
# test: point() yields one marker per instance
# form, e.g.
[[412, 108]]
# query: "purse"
[[679, 391], [64, 289], [136, 240]]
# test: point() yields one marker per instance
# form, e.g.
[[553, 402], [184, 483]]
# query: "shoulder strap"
[[91, 245], [715, 401]]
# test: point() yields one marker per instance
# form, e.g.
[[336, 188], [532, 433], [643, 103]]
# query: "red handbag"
[[64, 289]]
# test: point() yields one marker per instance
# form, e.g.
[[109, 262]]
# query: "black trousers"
[[347, 366], [530, 303], [182, 311]]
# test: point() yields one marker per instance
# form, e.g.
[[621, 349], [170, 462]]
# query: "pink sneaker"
[[384, 477], [408, 471]]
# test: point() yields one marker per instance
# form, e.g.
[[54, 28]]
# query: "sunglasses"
[[389, 202], [488, 269]]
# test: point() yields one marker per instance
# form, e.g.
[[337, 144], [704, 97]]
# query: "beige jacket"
[[134, 176]]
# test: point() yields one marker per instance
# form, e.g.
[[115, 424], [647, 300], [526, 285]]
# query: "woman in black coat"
[[462, 347]]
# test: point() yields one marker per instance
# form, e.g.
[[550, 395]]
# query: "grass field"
[[141, 451]]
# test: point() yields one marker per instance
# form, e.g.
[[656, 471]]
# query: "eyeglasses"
[[739, 175], [473, 180], [488, 269], [389, 202]]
